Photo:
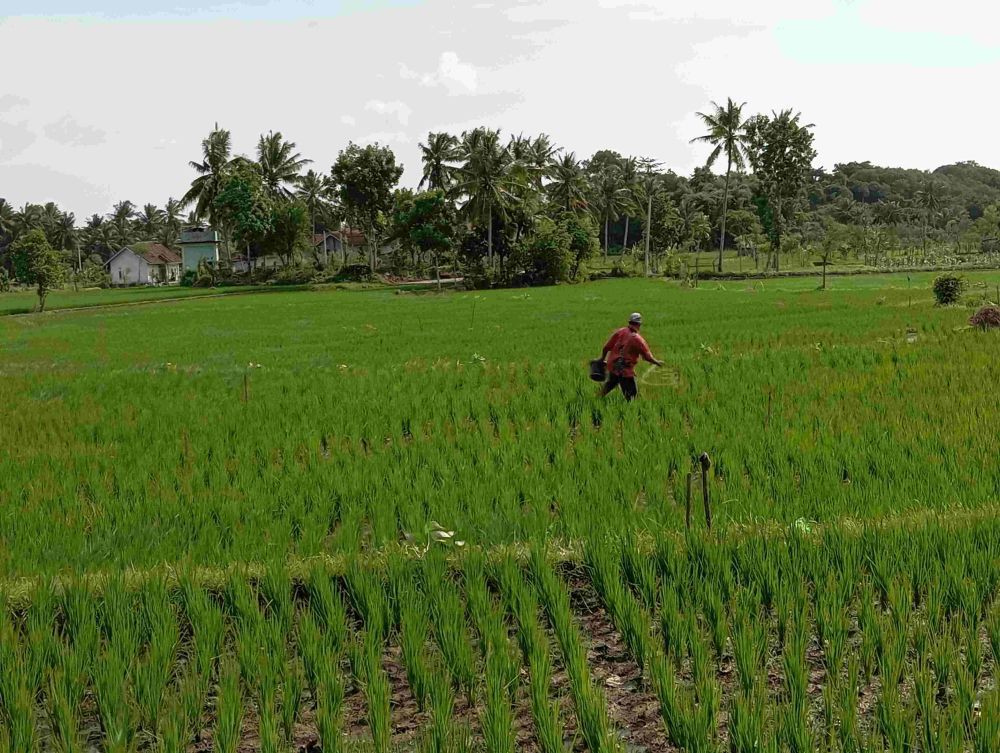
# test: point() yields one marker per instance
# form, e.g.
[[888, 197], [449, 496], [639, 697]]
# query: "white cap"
[[636, 318]]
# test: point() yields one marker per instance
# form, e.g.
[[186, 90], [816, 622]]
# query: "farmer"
[[623, 352]]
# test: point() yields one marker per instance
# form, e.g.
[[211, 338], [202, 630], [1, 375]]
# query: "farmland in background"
[[234, 524]]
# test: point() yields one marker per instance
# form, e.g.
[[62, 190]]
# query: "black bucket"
[[597, 370]]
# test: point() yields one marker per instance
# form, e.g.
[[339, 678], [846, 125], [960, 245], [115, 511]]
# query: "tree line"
[[502, 210]]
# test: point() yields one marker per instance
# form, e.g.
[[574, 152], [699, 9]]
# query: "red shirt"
[[628, 345]]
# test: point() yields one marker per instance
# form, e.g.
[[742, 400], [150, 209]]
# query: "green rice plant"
[[848, 731], [973, 654], [640, 572], [17, 696], [442, 706], [498, 716], [747, 721], [535, 649], [449, 623], [113, 689], [228, 709], [993, 633], [367, 593], [67, 684], [794, 721], [276, 594], [414, 629], [207, 626], [326, 604], [891, 647], [153, 672], [986, 736], [715, 616], [749, 646], [963, 707], [488, 619], [942, 660], [895, 726], [628, 615], [673, 626], [591, 707], [329, 713], [292, 688], [832, 625], [366, 661]]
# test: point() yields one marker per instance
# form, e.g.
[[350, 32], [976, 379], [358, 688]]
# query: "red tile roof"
[[156, 253]]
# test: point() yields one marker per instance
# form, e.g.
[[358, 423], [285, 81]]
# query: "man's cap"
[[636, 318]]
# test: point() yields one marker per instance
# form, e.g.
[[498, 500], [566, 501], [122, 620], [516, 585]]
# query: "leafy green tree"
[[38, 264], [439, 156], [545, 254], [629, 175], [727, 134], [582, 237], [243, 205], [289, 229], [122, 223], [779, 149], [427, 222], [365, 178], [280, 164]]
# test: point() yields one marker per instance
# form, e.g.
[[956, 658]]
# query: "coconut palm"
[[171, 227], [439, 155], [120, 219], [726, 132], [64, 235], [6, 218], [629, 172], [25, 219], [567, 187], [485, 179], [149, 221], [609, 199], [280, 164], [930, 199], [315, 191], [647, 187], [542, 157], [216, 156]]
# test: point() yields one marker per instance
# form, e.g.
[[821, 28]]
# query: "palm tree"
[[930, 198], [6, 219], [726, 132], [610, 199], [25, 219], [646, 189], [171, 227], [315, 191], [280, 164], [542, 158], [439, 155], [121, 222], [216, 156], [485, 179], [567, 185], [150, 221], [64, 235], [629, 168]]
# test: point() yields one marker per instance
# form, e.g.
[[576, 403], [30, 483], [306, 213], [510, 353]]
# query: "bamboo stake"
[[706, 463]]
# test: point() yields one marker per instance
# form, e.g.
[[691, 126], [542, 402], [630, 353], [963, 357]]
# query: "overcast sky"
[[102, 100]]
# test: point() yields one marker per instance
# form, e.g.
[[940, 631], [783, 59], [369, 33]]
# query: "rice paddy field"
[[377, 521]]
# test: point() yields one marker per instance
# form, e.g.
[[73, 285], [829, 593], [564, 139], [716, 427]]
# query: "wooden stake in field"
[[246, 386], [706, 463], [687, 509]]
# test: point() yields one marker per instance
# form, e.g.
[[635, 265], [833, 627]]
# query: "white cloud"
[[454, 75], [400, 110]]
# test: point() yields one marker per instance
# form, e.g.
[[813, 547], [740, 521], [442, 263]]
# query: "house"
[[268, 261], [145, 264], [199, 244]]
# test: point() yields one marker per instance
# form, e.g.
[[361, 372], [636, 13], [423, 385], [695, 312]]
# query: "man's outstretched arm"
[[648, 356]]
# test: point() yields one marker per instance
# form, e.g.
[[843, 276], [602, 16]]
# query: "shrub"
[[988, 317], [188, 278], [948, 289], [203, 281], [294, 274], [355, 273]]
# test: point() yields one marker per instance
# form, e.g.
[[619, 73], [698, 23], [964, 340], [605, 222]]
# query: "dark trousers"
[[627, 384]]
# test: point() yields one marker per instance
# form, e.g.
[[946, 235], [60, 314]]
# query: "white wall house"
[[145, 264]]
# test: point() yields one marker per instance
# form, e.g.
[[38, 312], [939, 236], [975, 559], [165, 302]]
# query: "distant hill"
[[967, 185]]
